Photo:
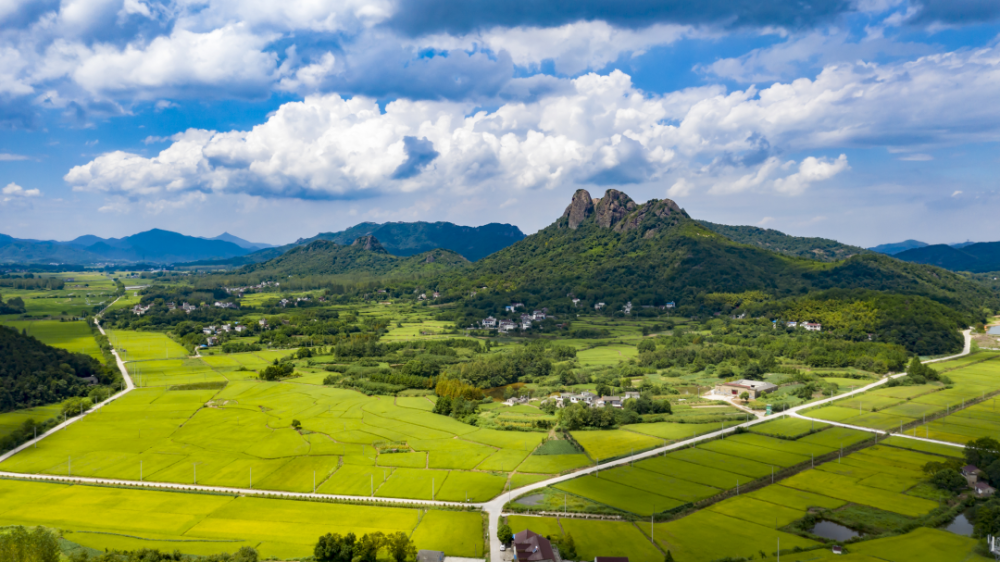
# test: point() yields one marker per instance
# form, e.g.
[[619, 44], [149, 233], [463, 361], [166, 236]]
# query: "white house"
[[599, 306], [489, 322], [812, 326], [612, 401], [538, 315], [576, 302]]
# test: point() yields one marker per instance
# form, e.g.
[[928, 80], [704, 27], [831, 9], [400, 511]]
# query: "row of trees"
[[349, 548]]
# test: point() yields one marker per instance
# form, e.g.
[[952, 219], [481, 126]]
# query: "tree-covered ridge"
[[409, 238], [652, 254], [820, 249], [33, 374], [365, 256], [978, 258]]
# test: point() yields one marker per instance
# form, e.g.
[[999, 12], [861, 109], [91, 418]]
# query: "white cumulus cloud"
[[13, 192]]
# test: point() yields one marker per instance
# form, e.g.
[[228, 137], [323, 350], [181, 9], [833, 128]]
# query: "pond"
[[960, 526], [834, 531], [994, 330], [532, 500]]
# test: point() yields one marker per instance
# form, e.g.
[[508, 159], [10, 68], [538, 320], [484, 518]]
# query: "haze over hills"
[[894, 248], [978, 257]]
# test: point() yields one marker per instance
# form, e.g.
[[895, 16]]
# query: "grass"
[[9, 421], [592, 538], [789, 428]]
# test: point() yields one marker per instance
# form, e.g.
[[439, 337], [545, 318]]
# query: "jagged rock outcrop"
[[370, 243], [581, 207], [612, 208], [653, 209]]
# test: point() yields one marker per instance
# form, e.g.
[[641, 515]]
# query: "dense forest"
[[820, 249], [33, 374]]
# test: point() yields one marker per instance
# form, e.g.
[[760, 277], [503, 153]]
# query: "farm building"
[[430, 556], [754, 388], [532, 546]]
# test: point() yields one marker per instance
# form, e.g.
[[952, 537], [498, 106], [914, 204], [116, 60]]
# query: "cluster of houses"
[[808, 326], [213, 331], [285, 302], [251, 288], [423, 296], [592, 400], [507, 325], [981, 488], [139, 310]]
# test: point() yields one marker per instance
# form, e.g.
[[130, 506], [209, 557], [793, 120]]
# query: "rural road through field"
[[493, 507]]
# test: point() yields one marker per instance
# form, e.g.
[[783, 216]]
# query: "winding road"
[[493, 507]]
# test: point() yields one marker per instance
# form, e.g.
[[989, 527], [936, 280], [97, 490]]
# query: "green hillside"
[[821, 249], [615, 251], [364, 256]]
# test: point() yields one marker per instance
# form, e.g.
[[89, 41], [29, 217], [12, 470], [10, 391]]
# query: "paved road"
[[95, 409], [493, 507]]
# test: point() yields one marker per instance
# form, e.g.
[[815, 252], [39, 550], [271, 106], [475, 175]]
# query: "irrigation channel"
[[493, 507]]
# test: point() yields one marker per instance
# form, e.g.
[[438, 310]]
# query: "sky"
[[866, 121]]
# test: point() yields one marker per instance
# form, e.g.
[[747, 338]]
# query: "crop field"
[[789, 428], [9, 421], [72, 336], [428, 329], [241, 435], [696, 537], [700, 472], [592, 538], [553, 464], [848, 489], [606, 355], [143, 346], [679, 431], [617, 495], [209, 524], [602, 445]]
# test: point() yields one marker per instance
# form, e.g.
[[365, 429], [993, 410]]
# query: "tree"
[[988, 519], [950, 480], [505, 534], [335, 548], [646, 346], [567, 547], [745, 396], [982, 452], [296, 424], [669, 557], [442, 406], [367, 548], [754, 371], [39, 545], [400, 546]]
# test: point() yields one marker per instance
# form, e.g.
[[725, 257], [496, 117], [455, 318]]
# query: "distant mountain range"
[[897, 247], [979, 257], [154, 246]]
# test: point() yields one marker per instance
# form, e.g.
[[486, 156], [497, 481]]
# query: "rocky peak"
[[370, 243], [653, 209], [581, 207], [611, 208]]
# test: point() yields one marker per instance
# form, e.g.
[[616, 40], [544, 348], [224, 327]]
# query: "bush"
[[950, 480]]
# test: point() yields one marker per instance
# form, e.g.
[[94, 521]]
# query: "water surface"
[[994, 330], [834, 531], [960, 526]]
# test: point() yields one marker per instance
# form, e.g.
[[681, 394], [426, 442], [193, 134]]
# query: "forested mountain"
[[897, 247], [33, 374], [978, 257], [614, 251], [365, 255], [821, 249]]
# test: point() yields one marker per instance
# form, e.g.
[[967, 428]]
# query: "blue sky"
[[867, 121]]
